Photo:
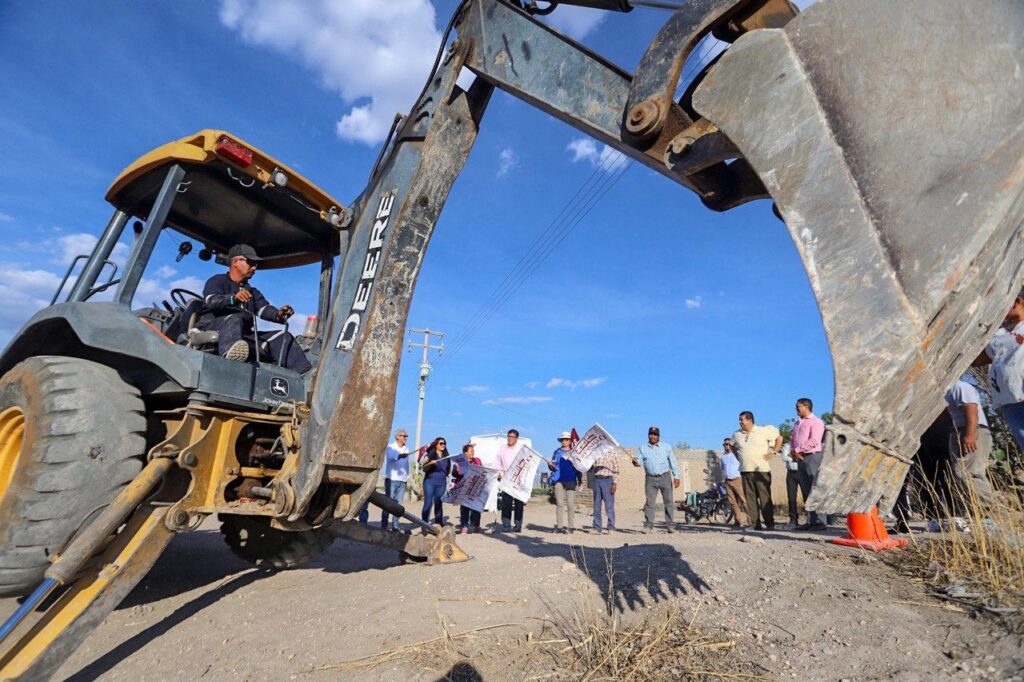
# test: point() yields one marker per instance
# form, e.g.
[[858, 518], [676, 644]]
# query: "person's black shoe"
[[803, 526], [517, 529], [819, 526], [771, 526], [758, 527]]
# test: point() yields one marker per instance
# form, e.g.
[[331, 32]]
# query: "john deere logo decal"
[[279, 386], [347, 338]]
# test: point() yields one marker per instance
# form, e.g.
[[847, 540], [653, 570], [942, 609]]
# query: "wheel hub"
[[12, 430]]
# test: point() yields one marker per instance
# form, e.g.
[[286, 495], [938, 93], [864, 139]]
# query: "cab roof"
[[229, 196]]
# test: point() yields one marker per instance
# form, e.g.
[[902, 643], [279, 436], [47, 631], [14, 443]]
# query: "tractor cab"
[[206, 193]]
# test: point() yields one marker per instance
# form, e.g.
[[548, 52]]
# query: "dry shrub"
[[592, 644], [980, 566]]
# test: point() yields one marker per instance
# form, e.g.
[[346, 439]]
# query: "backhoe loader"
[[889, 135]]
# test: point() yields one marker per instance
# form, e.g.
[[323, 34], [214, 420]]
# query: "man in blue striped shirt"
[[662, 475]]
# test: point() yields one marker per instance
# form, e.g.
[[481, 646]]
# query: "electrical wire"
[[604, 176], [557, 230]]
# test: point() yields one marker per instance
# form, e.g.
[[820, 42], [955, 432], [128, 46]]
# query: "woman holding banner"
[[436, 466], [469, 519], [564, 480]]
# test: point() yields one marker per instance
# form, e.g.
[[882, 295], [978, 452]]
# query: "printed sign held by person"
[[517, 480], [473, 489], [595, 442]]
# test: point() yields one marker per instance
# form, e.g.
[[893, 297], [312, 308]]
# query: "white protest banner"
[[517, 480], [595, 443], [487, 448], [473, 489]]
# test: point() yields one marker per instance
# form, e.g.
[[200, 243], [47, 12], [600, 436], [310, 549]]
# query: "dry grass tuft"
[[982, 566], [661, 647], [590, 643]]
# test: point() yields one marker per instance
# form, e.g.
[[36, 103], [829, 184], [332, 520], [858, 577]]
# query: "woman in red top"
[[469, 519]]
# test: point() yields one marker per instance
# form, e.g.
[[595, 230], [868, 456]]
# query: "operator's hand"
[[797, 456], [636, 462], [499, 475], [284, 312], [675, 482], [615, 488], [970, 443], [243, 296], [768, 455], [551, 463]]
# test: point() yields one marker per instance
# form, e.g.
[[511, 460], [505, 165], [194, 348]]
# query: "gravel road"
[[796, 606]]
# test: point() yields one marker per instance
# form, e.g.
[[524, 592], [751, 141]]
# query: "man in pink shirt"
[[805, 444], [508, 505]]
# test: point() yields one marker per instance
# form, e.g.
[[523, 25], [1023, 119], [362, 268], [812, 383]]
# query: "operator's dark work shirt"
[[218, 293]]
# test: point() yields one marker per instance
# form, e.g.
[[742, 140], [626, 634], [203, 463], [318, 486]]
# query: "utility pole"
[[424, 373]]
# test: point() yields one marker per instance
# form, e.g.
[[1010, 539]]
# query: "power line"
[[604, 176], [559, 228]]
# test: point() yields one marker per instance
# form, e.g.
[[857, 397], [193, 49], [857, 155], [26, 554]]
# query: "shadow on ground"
[[629, 576]]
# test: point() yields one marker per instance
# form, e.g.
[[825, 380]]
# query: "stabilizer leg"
[[437, 548], [38, 650]]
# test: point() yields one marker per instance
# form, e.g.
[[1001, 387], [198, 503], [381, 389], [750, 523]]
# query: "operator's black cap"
[[245, 251], [654, 430]]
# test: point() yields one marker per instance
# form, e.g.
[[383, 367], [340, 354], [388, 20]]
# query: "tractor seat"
[[183, 330]]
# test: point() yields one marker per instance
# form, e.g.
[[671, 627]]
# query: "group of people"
[[439, 469], [746, 468], [962, 431], [955, 450]]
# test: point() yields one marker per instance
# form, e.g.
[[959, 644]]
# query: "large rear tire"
[[72, 435], [252, 539]]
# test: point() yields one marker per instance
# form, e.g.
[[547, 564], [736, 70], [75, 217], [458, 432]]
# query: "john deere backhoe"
[[889, 135]]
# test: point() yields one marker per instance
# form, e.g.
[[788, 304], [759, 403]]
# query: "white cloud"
[[519, 400], [507, 160], [65, 248], [585, 149], [166, 271], [375, 55], [5, 218], [532, 384], [474, 389], [558, 382], [576, 22], [693, 303], [22, 293]]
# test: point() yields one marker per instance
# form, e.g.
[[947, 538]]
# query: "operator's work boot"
[[239, 350]]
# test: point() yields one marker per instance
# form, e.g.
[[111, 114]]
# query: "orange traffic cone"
[[867, 532]]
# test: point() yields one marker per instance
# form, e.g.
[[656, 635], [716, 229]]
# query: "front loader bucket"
[[891, 137]]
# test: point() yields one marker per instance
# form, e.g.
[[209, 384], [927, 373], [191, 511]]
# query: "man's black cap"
[[245, 251], [654, 430]]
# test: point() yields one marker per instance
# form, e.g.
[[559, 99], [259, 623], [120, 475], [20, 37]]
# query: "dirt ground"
[[796, 607]]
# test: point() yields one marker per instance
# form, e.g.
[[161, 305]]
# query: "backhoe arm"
[[907, 224], [354, 395]]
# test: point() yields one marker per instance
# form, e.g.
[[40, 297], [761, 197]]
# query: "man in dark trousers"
[[231, 305]]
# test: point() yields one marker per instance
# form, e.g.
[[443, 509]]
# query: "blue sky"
[[652, 310]]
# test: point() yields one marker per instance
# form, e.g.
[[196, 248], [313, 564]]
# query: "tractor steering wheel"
[[181, 296]]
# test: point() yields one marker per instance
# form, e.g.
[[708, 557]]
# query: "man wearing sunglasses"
[[230, 305]]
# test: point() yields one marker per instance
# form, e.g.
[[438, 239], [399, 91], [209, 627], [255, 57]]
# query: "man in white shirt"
[[970, 444], [1006, 374], [396, 474], [755, 446]]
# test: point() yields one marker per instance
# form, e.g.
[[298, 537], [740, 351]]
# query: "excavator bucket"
[[891, 137]]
